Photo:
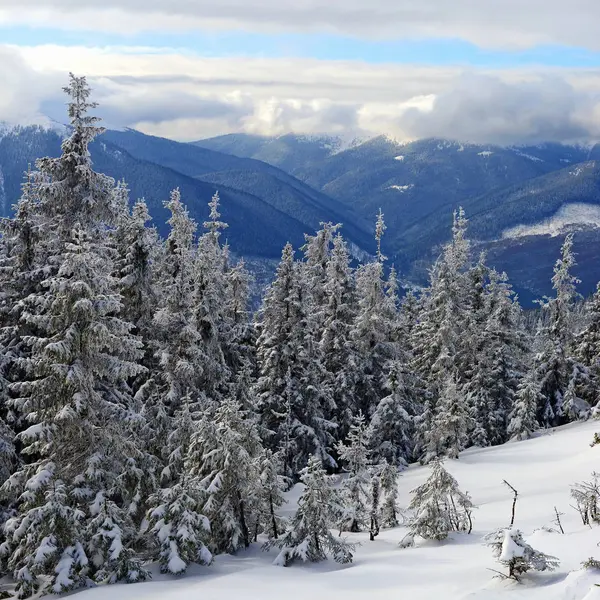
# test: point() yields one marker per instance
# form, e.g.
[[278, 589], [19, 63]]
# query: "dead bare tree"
[[514, 504]]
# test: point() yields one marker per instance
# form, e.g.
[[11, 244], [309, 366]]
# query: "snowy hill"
[[542, 470]]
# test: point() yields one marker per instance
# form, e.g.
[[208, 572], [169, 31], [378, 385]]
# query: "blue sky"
[[437, 51], [501, 71]]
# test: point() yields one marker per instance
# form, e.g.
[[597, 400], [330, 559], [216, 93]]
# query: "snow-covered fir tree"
[[439, 343], [388, 477], [511, 550], [391, 432], [340, 356], [290, 397], [8, 464], [179, 353], [210, 289], [271, 486], [499, 342], [439, 507], [79, 358], [451, 423], [224, 459], [137, 253], [373, 331], [179, 528], [522, 420], [356, 487], [587, 352], [555, 362], [110, 533], [308, 536]]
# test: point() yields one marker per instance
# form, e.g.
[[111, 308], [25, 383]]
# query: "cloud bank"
[[188, 97]]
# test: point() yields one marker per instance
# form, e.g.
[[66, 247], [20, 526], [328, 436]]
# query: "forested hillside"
[[148, 419]]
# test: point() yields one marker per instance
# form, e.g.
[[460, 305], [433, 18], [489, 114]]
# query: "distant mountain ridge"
[[519, 200], [262, 218], [419, 184]]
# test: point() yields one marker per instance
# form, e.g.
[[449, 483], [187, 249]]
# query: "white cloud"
[[488, 23], [188, 97]]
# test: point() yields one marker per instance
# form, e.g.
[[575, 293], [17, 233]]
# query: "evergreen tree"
[[179, 352], [308, 536], [513, 551], [210, 290], [224, 459], [391, 433], [137, 250], [522, 419], [270, 489], [388, 477], [290, 398], [439, 507], [499, 342], [451, 423], [354, 455], [555, 363], [340, 358], [109, 532], [439, 343], [587, 351], [180, 530], [372, 337], [79, 356]]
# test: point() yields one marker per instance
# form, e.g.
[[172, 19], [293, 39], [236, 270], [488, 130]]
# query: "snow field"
[[541, 469]]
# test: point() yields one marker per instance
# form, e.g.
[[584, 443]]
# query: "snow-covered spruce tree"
[[356, 487], [451, 423], [308, 536], [438, 507], [237, 331], [391, 431], [388, 477], [439, 344], [224, 458], [373, 330], [317, 255], [511, 550], [340, 358], [555, 362], [210, 292], [137, 249], [179, 352], [499, 342], [271, 486], [109, 532], [80, 354], [522, 420], [8, 464], [587, 351], [291, 398], [21, 272], [181, 532]]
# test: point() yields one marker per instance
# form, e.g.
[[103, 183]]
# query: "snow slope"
[[541, 469]]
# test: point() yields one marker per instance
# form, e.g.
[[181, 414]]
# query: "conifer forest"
[[150, 414]]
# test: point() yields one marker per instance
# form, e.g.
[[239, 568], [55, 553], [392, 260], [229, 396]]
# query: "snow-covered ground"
[[573, 213], [541, 469]]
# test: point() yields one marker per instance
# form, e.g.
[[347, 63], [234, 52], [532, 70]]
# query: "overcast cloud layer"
[[489, 23], [180, 94]]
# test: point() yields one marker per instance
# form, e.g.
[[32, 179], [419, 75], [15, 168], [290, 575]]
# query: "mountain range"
[[519, 200]]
